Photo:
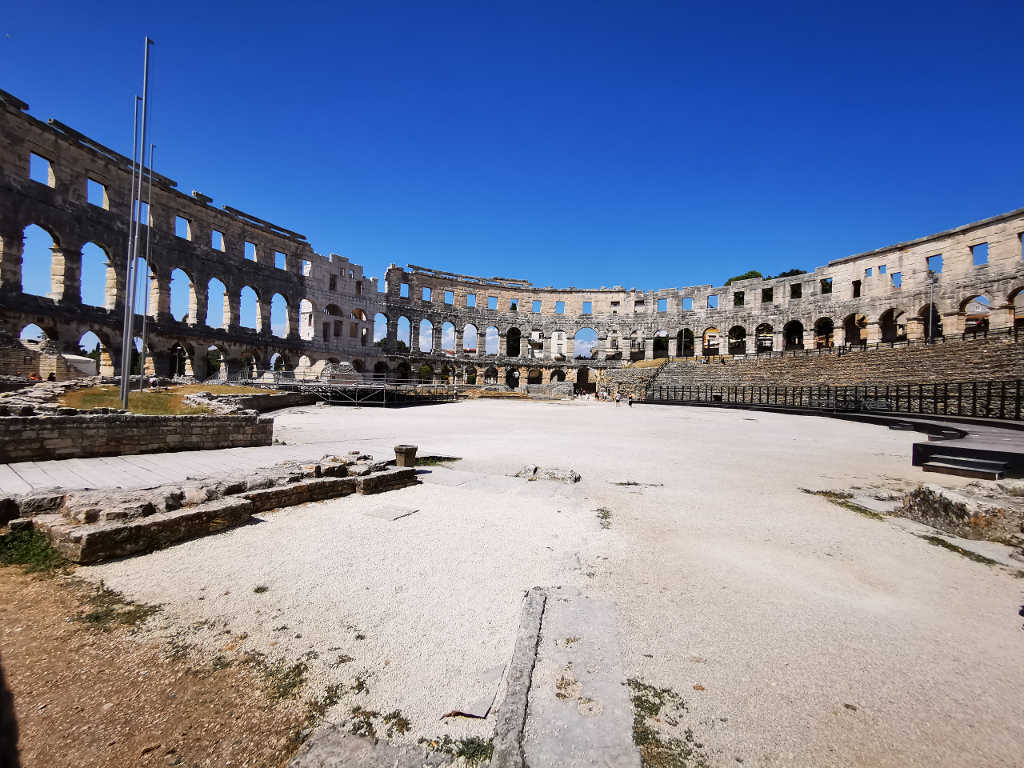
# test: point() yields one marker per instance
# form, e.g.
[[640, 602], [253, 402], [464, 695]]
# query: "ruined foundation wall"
[[34, 438]]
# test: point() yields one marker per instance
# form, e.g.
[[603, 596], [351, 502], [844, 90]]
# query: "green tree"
[[744, 276]]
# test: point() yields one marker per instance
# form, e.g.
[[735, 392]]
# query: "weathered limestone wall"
[[33, 438], [996, 358]]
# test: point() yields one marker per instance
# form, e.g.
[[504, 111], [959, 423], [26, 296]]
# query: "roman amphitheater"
[[798, 542]]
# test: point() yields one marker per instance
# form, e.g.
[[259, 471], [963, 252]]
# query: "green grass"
[[662, 706], [430, 461], [168, 401], [31, 550], [473, 750], [842, 499], [605, 516], [109, 609], [940, 542]]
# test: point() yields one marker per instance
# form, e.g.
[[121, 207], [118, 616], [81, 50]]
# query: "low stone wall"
[[228, 403], [33, 438]]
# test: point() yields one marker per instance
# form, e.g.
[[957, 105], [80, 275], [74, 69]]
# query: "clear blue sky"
[[643, 144]]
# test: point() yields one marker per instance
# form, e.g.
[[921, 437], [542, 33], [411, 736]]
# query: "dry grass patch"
[[160, 401]]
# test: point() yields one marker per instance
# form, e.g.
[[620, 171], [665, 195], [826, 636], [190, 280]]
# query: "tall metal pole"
[[931, 306], [145, 298], [128, 283], [142, 163]]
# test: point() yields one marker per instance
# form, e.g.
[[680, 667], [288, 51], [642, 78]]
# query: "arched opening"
[[490, 340], [583, 383], [1016, 300], [403, 335], [636, 345], [360, 327], [513, 339], [711, 341], [380, 329], [976, 312], [684, 343], [824, 331], [180, 361], [217, 315], [585, 344], [98, 279], [534, 376], [425, 374], [931, 321], [250, 364], [402, 371], [660, 344], [764, 337], [33, 332], [215, 365], [793, 335], [448, 374], [426, 340], [893, 325], [470, 375], [855, 329], [90, 346], [248, 308], [737, 340], [358, 366], [380, 371], [448, 338], [557, 375], [37, 260], [491, 375], [279, 316], [469, 339], [182, 296], [307, 330], [512, 378]]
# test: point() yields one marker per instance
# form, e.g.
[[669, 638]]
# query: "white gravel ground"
[[820, 637]]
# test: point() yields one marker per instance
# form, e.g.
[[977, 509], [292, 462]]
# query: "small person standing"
[[618, 397]]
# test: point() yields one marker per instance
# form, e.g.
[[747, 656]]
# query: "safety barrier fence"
[[988, 399]]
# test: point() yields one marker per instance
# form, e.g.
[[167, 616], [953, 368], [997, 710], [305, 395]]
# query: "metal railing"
[[988, 399], [349, 390]]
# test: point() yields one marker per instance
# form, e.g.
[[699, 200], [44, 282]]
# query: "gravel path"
[[814, 636]]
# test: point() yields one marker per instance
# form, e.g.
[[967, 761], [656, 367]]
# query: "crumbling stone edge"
[[510, 720]]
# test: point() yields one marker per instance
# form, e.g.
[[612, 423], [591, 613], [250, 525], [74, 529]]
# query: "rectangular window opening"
[[935, 263], [897, 279], [449, 297], [856, 289], [216, 240], [588, 307], [663, 305], [688, 304], [559, 307], [492, 302], [737, 299], [979, 253], [882, 269], [470, 299], [250, 251], [280, 260], [867, 272], [796, 291], [826, 285], [359, 287], [40, 169], [182, 228], [144, 213], [767, 295], [425, 294], [332, 283], [713, 302], [536, 306], [403, 290], [307, 267], [96, 194], [513, 305]]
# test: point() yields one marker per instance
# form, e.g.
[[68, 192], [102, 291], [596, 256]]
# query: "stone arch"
[[1015, 300], [685, 343], [358, 366], [447, 374], [37, 260], [930, 319], [854, 328], [892, 325], [426, 336], [96, 344], [380, 328], [512, 377], [659, 344], [448, 337], [307, 321], [99, 278], [583, 383], [491, 375], [279, 325], [585, 344], [216, 363], [403, 334], [711, 341], [513, 342], [248, 308], [793, 335], [380, 371], [636, 345], [490, 340], [402, 371], [182, 296], [218, 314], [737, 340], [333, 322], [764, 338], [180, 360], [824, 333], [534, 376], [470, 339], [425, 373], [976, 311], [557, 375], [32, 331], [470, 375]]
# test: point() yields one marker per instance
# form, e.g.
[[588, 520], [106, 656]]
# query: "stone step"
[[946, 468]]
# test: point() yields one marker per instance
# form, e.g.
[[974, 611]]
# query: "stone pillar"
[[873, 332], [502, 345], [12, 244], [649, 348], [459, 351], [231, 312], [546, 352], [231, 368], [198, 301], [435, 339], [952, 324], [1001, 317], [160, 298], [810, 340], [672, 346], [66, 275], [200, 365], [839, 335], [111, 290], [778, 341], [292, 314], [570, 347], [915, 329], [158, 363], [263, 315]]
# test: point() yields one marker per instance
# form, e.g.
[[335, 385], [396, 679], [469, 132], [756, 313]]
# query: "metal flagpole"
[[128, 285], [145, 298], [142, 163]]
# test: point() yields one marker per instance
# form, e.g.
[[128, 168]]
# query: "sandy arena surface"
[[814, 636]]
